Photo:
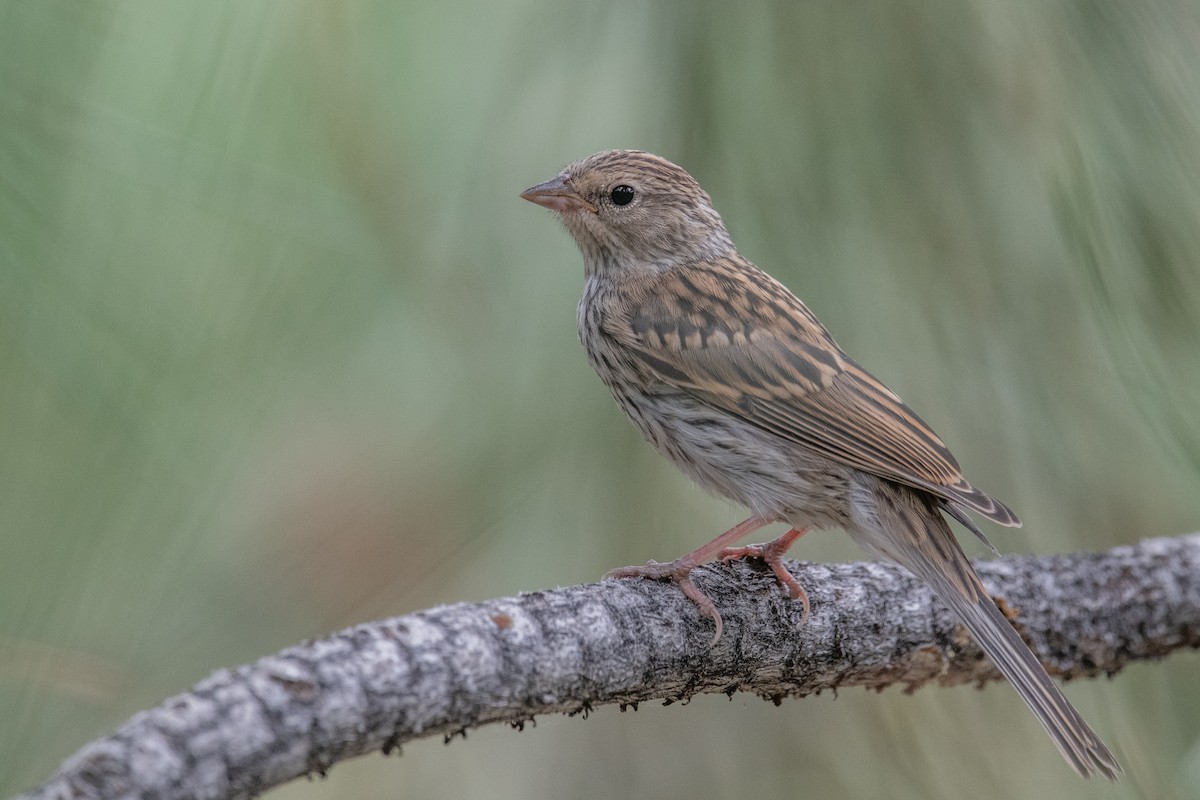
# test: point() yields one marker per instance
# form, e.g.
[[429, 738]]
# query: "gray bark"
[[448, 669]]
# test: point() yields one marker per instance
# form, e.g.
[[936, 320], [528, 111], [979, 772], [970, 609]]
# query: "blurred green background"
[[283, 351]]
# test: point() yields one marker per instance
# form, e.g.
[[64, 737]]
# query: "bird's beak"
[[556, 195]]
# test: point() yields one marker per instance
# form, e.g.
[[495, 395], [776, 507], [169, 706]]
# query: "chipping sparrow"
[[730, 376]]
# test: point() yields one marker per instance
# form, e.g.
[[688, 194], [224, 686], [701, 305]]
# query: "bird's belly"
[[774, 478]]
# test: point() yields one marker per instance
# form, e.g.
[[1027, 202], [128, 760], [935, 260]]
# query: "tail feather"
[[1078, 743], [911, 531]]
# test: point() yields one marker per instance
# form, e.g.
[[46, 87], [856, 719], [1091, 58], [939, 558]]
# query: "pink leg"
[[680, 569], [772, 553]]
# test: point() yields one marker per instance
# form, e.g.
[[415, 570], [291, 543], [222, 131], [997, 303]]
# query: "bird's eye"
[[621, 195]]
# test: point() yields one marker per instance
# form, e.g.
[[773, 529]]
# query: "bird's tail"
[[918, 537]]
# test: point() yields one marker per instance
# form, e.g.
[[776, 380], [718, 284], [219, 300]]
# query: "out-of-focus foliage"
[[282, 349]]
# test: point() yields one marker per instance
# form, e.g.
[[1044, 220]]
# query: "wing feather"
[[737, 339]]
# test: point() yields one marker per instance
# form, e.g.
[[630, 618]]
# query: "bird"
[[728, 374]]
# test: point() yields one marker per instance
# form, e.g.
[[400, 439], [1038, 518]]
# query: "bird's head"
[[631, 210]]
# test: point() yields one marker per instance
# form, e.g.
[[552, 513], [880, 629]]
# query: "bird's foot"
[[772, 553], [678, 572]]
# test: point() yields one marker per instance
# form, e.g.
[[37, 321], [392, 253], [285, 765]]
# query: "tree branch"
[[442, 671]]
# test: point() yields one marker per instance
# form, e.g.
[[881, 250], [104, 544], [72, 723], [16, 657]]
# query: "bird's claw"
[[678, 572], [772, 554]]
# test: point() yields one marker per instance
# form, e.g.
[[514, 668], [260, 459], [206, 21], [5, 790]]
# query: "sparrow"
[[730, 376]]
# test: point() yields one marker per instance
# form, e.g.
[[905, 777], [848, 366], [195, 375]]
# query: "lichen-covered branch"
[[437, 672]]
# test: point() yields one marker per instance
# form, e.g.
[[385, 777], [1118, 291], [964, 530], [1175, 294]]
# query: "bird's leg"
[[772, 553], [679, 571]]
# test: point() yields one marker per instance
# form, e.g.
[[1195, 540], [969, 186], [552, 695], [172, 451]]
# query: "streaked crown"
[[628, 209]]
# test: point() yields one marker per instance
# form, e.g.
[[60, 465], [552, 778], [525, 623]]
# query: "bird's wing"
[[737, 339]]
